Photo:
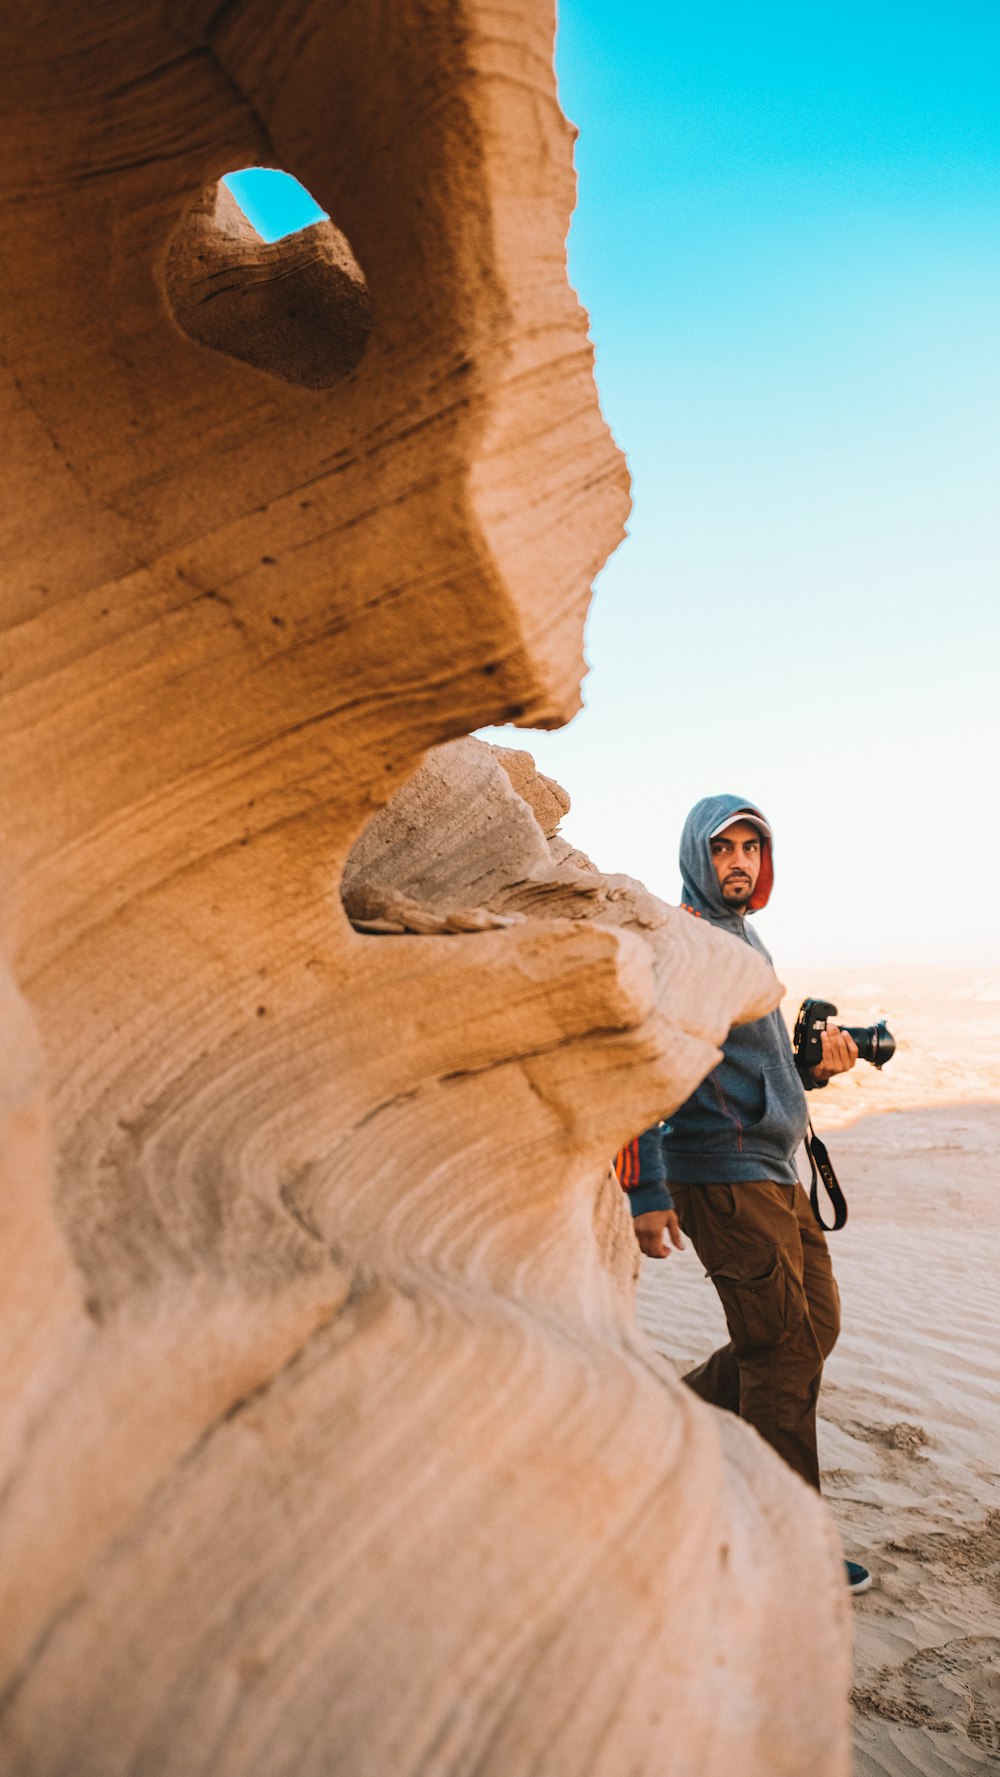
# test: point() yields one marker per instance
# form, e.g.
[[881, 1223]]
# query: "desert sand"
[[910, 1433]]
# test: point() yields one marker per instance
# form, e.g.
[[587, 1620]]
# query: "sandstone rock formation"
[[328, 1445]]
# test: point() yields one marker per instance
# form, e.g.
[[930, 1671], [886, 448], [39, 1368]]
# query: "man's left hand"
[[840, 1052], [653, 1229]]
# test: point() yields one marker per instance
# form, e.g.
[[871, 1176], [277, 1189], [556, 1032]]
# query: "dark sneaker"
[[858, 1577]]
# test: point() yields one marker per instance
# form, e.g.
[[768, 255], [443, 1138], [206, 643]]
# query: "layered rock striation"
[[328, 1442]]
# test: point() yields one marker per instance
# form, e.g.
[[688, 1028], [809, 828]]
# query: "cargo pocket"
[[720, 1199], [759, 1310]]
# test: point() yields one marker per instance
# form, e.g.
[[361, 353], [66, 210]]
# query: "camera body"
[[876, 1042]]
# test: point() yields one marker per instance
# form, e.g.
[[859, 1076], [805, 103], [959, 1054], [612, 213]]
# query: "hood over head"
[[699, 883]]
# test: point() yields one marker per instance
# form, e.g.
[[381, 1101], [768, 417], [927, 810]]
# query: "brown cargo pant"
[[768, 1259]]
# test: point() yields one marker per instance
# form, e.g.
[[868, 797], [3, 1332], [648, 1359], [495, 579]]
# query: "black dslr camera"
[[875, 1042]]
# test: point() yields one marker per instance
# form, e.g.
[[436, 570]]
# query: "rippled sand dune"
[[910, 1439]]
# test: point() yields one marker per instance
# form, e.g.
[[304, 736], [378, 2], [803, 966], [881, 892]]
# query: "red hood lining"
[[765, 881]]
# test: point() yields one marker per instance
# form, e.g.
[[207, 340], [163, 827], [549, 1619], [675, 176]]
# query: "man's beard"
[[738, 893]]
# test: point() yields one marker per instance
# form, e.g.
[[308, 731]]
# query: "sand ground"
[[910, 1434]]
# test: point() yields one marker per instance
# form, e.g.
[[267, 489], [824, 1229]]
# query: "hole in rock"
[[273, 203], [257, 270]]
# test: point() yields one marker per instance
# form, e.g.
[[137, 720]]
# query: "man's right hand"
[[653, 1229]]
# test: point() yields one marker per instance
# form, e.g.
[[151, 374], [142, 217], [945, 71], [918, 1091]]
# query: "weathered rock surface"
[[328, 1444]]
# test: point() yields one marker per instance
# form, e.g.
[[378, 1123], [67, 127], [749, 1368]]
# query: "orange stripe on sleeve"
[[627, 1164]]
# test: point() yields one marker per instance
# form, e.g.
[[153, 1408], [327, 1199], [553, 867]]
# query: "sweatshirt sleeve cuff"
[[644, 1198]]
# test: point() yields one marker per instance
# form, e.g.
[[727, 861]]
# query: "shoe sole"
[[864, 1585]]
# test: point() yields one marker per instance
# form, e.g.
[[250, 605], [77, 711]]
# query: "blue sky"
[[788, 239]]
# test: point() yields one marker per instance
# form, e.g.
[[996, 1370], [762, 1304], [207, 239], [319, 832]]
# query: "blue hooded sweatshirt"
[[747, 1118]]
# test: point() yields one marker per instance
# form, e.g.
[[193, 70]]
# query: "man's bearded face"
[[736, 855]]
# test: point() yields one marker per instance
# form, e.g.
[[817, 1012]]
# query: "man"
[[723, 1170]]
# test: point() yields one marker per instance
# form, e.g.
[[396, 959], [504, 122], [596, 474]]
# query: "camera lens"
[[876, 1042]]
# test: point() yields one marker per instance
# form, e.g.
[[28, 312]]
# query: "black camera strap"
[[822, 1168]]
